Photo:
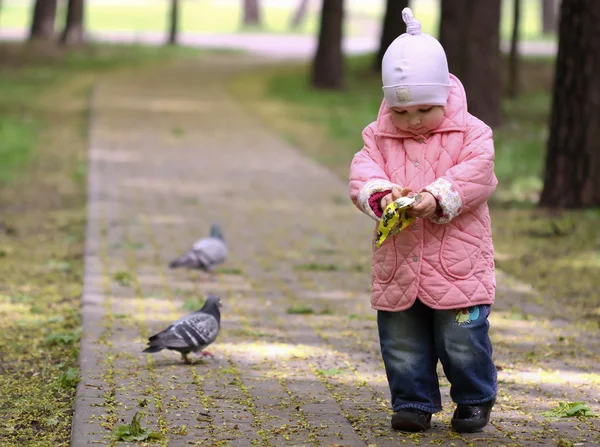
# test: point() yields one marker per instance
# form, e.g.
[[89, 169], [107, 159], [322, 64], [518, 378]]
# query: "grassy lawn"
[[43, 116], [558, 255], [196, 16]]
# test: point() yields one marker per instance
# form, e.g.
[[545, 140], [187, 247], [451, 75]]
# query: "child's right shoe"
[[411, 419]]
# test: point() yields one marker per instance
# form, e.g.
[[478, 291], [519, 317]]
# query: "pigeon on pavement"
[[191, 333], [206, 253]]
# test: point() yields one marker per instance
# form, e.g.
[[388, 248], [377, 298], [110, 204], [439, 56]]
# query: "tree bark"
[[299, 14], [174, 22], [328, 64], [73, 31], [393, 26], [572, 176], [470, 34], [513, 60], [549, 16], [251, 13], [42, 22]]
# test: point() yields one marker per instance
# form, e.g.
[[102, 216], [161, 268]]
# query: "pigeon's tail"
[[153, 349], [187, 260]]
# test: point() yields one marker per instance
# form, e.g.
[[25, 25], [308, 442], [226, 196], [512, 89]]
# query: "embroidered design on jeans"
[[466, 315]]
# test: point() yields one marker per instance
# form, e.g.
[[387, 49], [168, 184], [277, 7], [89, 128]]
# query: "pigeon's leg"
[[186, 359], [206, 354]]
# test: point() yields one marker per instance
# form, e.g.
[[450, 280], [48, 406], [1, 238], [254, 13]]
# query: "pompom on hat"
[[414, 70]]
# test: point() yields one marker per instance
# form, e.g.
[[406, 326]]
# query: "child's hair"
[[414, 68]]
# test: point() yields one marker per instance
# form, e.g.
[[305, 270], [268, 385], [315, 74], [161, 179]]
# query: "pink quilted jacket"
[[448, 260]]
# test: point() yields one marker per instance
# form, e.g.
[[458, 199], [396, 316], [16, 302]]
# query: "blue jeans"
[[413, 340]]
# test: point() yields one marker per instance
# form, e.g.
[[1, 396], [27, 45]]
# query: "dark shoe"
[[472, 418], [411, 419]]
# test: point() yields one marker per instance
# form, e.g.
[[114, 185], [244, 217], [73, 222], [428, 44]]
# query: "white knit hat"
[[414, 68]]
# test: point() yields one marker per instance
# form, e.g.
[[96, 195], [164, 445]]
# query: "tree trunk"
[[299, 14], [251, 13], [393, 26], [549, 16], [42, 22], [328, 64], [470, 34], [572, 177], [73, 32], [513, 61], [174, 22]]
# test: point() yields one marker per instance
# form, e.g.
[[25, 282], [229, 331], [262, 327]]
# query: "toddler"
[[433, 283]]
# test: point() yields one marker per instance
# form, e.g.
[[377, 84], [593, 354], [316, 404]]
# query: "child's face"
[[417, 120]]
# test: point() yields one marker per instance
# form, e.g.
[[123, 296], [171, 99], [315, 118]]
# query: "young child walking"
[[432, 283]]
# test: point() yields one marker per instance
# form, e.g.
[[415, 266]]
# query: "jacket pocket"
[[385, 261], [460, 253]]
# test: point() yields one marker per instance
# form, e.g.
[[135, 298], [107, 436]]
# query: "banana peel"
[[395, 218]]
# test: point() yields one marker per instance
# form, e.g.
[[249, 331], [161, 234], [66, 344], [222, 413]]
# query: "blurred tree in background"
[[549, 16], [299, 14], [73, 31], [174, 22], [392, 27], [513, 58], [42, 21], [572, 178], [470, 34], [328, 64], [251, 13]]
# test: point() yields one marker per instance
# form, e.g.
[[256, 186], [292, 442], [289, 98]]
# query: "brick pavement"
[[170, 153]]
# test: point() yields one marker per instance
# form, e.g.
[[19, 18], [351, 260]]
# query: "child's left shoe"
[[472, 418]]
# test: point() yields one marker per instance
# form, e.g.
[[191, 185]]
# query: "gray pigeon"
[[191, 333], [206, 253]]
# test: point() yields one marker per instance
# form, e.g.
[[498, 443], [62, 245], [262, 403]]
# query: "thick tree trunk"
[[251, 13], [513, 61], [549, 16], [572, 177], [299, 14], [393, 26], [470, 34], [328, 64], [42, 22], [73, 32], [174, 22], [453, 33]]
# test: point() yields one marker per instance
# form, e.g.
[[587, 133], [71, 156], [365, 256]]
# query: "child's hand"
[[385, 201], [425, 208], [395, 194]]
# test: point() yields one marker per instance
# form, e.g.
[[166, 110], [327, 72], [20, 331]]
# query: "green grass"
[[561, 264], [27, 72], [43, 113], [18, 135], [196, 16]]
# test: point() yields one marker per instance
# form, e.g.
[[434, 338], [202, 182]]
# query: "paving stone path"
[[170, 153]]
